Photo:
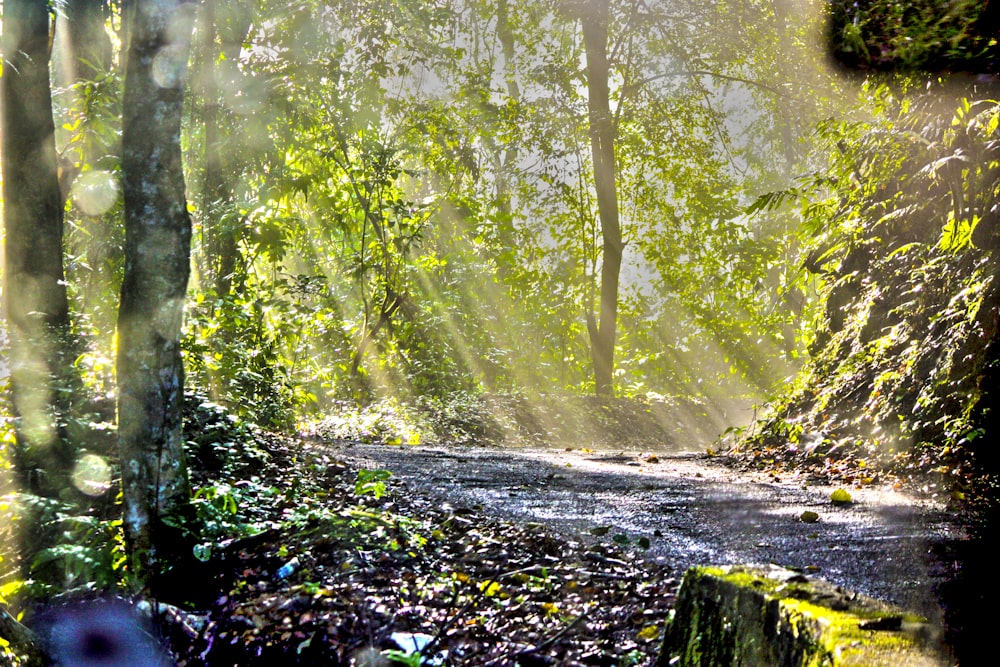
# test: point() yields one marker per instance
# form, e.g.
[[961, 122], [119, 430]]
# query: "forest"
[[237, 231]]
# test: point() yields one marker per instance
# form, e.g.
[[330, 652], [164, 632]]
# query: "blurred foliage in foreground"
[[928, 35]]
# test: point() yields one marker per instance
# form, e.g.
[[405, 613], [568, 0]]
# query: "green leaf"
[[371, 482], [840, 497], [203, 552]]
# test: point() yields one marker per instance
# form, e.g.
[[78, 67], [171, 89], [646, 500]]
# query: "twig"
[[556, 637]]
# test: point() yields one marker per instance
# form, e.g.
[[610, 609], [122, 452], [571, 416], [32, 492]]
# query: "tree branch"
[[695, 72]]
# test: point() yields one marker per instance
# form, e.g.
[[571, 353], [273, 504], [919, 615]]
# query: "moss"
[[753, 615]]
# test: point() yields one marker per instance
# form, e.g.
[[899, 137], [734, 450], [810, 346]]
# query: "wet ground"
[[694, 510]]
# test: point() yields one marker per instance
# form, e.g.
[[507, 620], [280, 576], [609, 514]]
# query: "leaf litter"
[[333, 565]]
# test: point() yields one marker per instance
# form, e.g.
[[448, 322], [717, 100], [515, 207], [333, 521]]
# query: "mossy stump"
[[766, 616]]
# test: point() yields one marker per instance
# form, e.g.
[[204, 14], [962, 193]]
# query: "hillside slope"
[[903, 369]]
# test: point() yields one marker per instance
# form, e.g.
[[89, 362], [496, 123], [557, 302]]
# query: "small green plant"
[[633, 657], [414, 646], [371, 482], [404, 658], [85, 551]]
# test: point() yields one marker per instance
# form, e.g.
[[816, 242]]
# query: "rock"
[[766, 616]]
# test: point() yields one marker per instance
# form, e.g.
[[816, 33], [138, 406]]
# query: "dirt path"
[[692, 510]]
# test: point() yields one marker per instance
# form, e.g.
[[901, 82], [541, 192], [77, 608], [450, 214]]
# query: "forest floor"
[[364, 551], [376, 579]]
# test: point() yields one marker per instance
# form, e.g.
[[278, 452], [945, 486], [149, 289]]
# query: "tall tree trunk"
[[89, 51], [34, 287], [507, 159], [228, 22], [157, 256], [783, 27], [594, 19]]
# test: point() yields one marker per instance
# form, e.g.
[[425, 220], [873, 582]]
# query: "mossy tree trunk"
[[157, 256]]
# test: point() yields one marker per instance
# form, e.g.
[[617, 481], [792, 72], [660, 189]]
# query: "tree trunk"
[[508, 158], [229, 22], [386, 312], [90, 51], [34, 287], [157, 256], [594, 19]]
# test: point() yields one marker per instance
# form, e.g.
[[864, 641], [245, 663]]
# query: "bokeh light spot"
[[168, 66], [95, 192], [92, 475]]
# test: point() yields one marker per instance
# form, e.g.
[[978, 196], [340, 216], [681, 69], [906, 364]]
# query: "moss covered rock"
[[772, 617]]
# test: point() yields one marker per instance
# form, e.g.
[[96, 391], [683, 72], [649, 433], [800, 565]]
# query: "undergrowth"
[[903, 370]]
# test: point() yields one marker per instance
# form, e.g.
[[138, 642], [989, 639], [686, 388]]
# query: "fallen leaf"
[[809, 517], [840, 497]]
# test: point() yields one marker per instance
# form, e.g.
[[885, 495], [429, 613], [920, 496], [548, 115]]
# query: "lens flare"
[[92, 475], [95, 192]]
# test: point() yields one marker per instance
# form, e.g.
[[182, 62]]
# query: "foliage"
[[371, 482], [73, 543], [386, 421], [84, 552], [231, 461], [903, 225], [518, 420], [88, 557], [89, 137], [915, 35], [412, 216], [232, 351]]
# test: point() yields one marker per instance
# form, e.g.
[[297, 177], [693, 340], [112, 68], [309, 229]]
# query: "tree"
[[157, 254], [594, 17], [485, 110], [34, 285], [90, 50], [222, 28]]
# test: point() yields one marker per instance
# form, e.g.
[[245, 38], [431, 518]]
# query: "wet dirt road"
[[885, 544]]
